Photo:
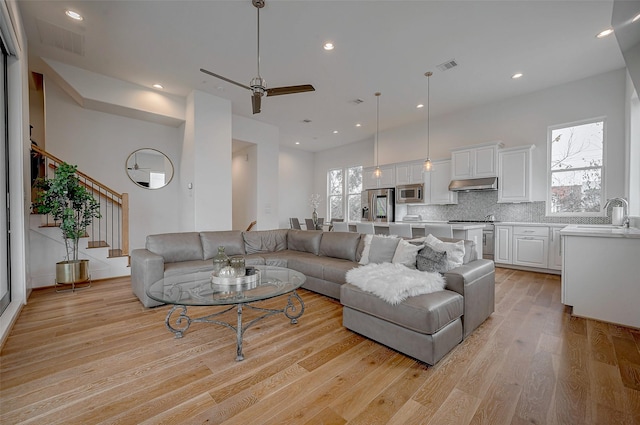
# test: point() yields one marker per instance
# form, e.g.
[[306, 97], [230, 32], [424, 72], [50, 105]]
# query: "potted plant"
[[70, 204]]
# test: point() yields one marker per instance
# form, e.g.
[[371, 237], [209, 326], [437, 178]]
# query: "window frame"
[[550, 172], [344, 190]]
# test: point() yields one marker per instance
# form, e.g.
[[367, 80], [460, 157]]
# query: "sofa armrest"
[[146, 268], [476, 282]]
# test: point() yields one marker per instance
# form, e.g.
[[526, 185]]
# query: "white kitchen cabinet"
[[503, 239], [514, 174], [555, 249], [475, 162], [530, 246], [387, 179], [409, 172], [437, 184]]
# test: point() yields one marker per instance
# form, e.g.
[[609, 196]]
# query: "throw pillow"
[[379, 249], [406, 254], [454, 250], [432, 260]]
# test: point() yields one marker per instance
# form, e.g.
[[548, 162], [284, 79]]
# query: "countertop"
[[602, 231], [421, 224]]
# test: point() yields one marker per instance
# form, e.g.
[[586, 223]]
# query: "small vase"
[[314, 218], [220, 261]]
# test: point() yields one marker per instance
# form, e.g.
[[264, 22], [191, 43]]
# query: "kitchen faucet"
[[625, 204]]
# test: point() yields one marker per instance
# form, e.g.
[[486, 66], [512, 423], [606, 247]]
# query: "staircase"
[[106, 243]]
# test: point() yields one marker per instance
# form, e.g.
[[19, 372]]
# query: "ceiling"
[[384, 46]]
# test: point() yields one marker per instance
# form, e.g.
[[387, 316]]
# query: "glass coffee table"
[[200, 289]]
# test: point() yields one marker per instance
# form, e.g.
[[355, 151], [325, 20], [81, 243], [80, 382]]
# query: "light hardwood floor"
[[98, 356]]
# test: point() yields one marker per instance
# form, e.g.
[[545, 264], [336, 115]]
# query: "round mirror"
[[149, 168]]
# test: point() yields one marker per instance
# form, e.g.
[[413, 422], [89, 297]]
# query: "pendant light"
[[427, 163], [378, 172]]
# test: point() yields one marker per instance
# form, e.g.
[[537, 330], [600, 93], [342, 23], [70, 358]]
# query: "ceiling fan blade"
[[255, 102], [277, 91], [225, 79]]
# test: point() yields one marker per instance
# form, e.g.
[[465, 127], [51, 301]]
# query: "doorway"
[[244, 166]]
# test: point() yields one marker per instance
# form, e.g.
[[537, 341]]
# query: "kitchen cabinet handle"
[[528, 231]]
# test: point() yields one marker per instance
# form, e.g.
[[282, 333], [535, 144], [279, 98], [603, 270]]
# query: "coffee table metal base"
[[183, 321]]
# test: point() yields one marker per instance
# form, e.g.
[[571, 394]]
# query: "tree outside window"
[[576, 162], [344, 193]]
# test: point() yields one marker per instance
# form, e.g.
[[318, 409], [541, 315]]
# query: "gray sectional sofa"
[[425, 327]]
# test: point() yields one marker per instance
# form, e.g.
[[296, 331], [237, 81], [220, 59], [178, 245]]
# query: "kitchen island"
[[468, 231], [600, 273]]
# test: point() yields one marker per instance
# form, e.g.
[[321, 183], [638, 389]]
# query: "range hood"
[[488, 183]]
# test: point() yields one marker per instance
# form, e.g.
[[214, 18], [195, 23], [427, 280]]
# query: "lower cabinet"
[[530, 251], [528, 246], [503, 242]]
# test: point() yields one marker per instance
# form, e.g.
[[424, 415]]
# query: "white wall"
[[296, 185], [518, 121], [99, 143], [245, 178]]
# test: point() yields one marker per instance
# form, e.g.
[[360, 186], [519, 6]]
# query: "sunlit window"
[[576, 161], [344, 187]]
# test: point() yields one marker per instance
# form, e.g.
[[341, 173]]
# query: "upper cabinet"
[[387, 179], [409, 172], [475, 162], [514, 174], [437, 184]]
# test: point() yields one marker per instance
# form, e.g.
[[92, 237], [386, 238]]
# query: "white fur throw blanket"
[[394, 282]]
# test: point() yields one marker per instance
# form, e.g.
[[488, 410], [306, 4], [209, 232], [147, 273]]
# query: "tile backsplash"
[[476, 205]]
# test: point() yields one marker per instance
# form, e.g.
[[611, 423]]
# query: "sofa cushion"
[[265, 240], [455, 250], [406, 254], [304, 240], [430, 259], [427, 313], [379, 249], [232, 241], [182, 267], [340, 245], [174, 247]]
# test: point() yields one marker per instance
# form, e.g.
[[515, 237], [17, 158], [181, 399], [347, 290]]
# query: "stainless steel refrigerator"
[[378, 205]]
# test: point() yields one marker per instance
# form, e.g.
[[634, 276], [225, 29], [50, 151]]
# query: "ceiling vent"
[[447, 65], [357, 101], [306, 121], [55, 36]]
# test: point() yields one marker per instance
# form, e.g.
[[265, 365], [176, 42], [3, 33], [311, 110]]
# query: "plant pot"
[[73, 271]]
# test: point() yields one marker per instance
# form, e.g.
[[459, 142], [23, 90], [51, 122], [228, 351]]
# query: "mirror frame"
[[128, 171]]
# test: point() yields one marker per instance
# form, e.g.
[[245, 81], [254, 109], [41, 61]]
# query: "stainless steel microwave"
[[410, 194]]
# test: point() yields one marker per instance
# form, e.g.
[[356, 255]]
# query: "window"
[[576, 161], [344, 193]]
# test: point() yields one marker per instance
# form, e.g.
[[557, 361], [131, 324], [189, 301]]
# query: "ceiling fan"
[[258, 85], [135, 166]]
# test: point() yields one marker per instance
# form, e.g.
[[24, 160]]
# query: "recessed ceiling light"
[[158, 86], [517, 75], [328, 46], [637, 17], [358, 125], [297, 143], [335, 131], [73, 15], [605, 33], [420, 105]]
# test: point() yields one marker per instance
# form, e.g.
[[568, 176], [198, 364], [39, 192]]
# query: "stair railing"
[[112, 229]]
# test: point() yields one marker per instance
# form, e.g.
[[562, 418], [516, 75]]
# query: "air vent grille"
[[447, 65], [55, 36], [357, 101]]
